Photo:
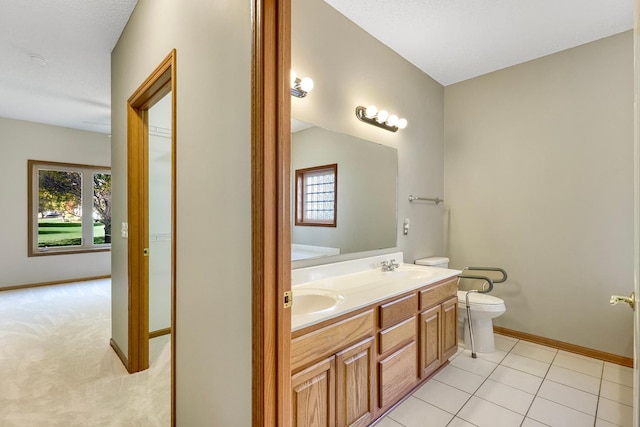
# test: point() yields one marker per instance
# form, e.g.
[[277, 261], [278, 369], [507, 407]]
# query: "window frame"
[[300, 175], [33, 168]]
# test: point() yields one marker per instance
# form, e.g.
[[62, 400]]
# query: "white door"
[[159, 221]]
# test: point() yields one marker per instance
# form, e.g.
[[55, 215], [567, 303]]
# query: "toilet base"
[[482, 335]]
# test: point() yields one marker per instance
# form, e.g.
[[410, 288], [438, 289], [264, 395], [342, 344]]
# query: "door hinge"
[[288, 299], [146, 251]]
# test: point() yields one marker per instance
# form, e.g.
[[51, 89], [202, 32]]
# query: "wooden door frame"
[[271, 224], [156, 86], [636, 234]]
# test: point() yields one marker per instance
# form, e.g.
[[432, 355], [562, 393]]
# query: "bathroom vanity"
[[387, 333]]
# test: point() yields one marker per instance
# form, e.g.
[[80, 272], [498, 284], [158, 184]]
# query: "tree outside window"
[[69, 209], [102, 204]]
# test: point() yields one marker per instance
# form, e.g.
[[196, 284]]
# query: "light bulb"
[[371, 112], [392, 120], [306, 84], [382, 116], [293, 78], [402, 123]]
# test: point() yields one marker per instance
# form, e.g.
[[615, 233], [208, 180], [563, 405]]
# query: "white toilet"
[[484, 308], [434, 261]]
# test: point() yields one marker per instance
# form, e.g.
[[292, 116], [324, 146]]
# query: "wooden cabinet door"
[[396, 375], [449, 328], [430, 341], [314, 395], [355, 385]]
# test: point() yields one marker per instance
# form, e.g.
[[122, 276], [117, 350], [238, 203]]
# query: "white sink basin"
[[311, 301]]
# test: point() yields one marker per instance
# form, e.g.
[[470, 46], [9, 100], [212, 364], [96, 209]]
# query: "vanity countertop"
[[363, 288]]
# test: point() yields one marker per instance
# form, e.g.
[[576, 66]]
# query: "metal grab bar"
[[427, 199], [504, 273], [473, 348], [484, 278]]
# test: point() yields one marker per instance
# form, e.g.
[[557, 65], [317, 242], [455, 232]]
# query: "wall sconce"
[[300, 87], [381, 118]]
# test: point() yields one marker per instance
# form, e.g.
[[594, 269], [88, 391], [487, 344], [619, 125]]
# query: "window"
[[316, 196], [69, 208]]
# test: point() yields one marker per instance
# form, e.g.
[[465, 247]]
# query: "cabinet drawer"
[[396, 311], [397, 374], [330, 339], [396, 335], [432, 296]]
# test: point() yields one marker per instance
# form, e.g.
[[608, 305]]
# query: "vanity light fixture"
[[381, 118], [300, 87]]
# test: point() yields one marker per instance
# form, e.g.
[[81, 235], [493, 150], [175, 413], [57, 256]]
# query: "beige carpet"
[[57, 368]]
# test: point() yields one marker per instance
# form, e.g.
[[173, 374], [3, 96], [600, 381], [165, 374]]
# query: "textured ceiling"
[[56, 57], [55, 65], [454, 40]]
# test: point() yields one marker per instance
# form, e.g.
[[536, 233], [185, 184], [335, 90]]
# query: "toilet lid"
[[476, 298]]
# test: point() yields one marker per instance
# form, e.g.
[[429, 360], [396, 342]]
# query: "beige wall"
[[539, 180], [213, 42], [24, 141], [351, 68]]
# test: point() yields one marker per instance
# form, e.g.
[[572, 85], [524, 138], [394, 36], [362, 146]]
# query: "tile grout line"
[[595, 416], [470, 394], [574, 388], [544, 378], [615, 401], [610, 422], [538, 390], [500, 364], [598, 396], [481, 384], [570, 355]]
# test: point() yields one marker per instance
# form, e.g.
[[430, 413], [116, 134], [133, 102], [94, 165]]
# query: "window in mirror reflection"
[[316, 195]]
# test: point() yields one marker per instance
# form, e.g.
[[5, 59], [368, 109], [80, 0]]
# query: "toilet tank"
[[434, 261]]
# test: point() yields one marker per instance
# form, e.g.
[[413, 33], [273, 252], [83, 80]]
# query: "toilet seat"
[[480, 302]]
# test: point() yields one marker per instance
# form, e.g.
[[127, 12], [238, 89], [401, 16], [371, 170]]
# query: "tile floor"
[[521, 384]]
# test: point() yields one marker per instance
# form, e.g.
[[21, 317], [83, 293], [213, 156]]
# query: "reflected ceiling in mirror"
[[366, 211]]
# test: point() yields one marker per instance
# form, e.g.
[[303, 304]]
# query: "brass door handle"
[[631, 300]]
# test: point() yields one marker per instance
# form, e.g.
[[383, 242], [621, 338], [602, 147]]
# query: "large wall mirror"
[[366, 205]]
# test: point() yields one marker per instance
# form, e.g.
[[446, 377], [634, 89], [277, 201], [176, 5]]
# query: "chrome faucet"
[[390, 265]]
